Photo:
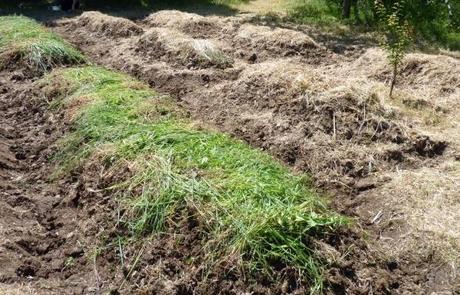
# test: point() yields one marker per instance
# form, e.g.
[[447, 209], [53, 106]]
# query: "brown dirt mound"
[[171, 45], [437, 74], [277, 42], [103, 24], [191, 24], [160, 43], [337, 134], [172, 19], [253, 41]]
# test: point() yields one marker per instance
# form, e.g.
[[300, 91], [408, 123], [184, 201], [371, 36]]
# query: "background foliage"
[[434, 22]]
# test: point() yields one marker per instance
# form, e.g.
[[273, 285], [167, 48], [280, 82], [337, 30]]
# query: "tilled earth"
[[393, 165], [59, 233], [38, 225]]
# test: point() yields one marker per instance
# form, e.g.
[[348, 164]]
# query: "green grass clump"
[[453, 41], [24, 40], [250, 206], [317, 12]]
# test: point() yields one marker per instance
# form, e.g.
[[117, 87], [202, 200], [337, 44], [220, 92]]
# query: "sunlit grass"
[[24, 40]]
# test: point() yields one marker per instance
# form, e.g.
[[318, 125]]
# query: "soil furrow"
[[40, 234]]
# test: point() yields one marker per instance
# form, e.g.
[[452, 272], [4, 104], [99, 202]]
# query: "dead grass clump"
[[294, 91], [191, 24], [420, 211], [107, 25], [72, 111], [172, 18], [427, 92], [167, 45], [417, 70], [17, 289], [440, 73], [277, 41]]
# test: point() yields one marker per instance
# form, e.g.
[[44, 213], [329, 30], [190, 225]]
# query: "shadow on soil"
[[41, 10], [339, 39], [340, 42]]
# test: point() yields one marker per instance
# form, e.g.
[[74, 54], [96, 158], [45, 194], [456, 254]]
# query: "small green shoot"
[[69, 262], [397, 35]]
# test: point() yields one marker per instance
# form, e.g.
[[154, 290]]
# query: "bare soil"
[[39, 229], [392, 165]]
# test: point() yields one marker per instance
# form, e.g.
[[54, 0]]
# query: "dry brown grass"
[[186, 50], [108, 25], [420, 211], [266, 37], [174, 19], [420, 207], [17, 289]]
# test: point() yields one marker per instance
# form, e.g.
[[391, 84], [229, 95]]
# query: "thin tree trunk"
[[356, 10], [346, 8], [393, 81]]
